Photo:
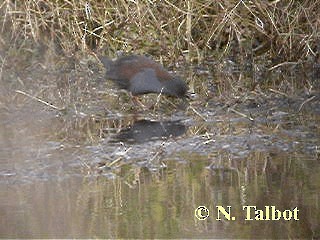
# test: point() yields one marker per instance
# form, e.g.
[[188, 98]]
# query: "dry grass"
[[243, 44], [288, 30]]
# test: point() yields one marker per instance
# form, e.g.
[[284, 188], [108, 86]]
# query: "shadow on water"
[[103, 168], [146, 130]]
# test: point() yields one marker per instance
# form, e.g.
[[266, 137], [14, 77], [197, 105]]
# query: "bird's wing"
[[145, 81]]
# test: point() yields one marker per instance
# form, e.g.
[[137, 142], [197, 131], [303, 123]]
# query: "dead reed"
[[288, 30]]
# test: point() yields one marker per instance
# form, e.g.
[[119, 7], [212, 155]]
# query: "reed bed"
[[287, 30]]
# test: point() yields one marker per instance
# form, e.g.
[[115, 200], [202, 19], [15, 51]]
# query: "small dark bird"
[[141, 75]]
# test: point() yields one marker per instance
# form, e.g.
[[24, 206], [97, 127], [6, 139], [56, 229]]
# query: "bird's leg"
[[136, 101]]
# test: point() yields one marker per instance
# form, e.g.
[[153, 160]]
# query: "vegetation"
[[284, 30]]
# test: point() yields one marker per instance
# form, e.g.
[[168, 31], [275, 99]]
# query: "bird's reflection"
[[146, 130]]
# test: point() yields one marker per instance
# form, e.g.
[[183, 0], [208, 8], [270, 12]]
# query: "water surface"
[[104, 168]]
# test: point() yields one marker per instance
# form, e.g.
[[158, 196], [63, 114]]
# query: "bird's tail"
[[107, 62]]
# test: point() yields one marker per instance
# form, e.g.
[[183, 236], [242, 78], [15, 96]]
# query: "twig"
[[39, 100], [304, 102], [197, 113], [282, 64], [276, 91], [119, 158], [241, 114]]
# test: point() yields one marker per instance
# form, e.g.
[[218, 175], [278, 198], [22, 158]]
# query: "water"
[[102, 168]]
